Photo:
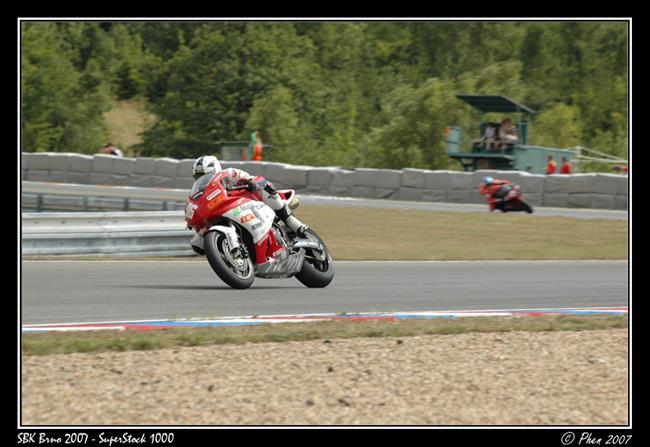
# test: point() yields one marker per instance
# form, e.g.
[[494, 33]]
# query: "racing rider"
[[208, 165], [494, 190]]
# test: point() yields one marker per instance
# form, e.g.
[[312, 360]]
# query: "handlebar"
[[236, 188]]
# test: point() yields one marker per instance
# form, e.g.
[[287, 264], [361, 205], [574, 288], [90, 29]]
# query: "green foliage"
[[351, 94], [414, 122], [61, 110], [558, 126], [276, 117]]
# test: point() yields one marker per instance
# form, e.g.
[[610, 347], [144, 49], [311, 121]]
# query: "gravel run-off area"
[[508, 378]]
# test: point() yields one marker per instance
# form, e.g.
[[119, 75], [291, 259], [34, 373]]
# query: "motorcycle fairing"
[[283, 266], [256, 217]]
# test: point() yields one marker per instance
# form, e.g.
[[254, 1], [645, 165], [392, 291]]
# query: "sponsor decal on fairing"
[[258, 219], [247, 218]]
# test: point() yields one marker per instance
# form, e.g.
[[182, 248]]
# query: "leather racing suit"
[[495, 192], [269, 196]]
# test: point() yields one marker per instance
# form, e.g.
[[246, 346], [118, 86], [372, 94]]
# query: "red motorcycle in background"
[[508, 198], [243, 238]]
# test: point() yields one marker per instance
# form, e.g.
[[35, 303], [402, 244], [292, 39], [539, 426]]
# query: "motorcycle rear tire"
[[314, 273], [526, 207], [213, 251]]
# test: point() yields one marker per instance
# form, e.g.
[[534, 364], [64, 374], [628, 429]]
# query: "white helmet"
[[205, 165]]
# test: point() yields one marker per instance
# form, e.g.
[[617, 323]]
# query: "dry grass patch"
[[126, 120]]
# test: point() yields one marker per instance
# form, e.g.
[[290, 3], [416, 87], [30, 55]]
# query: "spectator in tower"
[[507, 133], [487, 141]]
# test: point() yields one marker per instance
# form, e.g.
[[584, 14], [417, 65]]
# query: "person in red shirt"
[[621, 169], [257, 152], [550, 168], [493, 190], [566, 166], [257, 147]]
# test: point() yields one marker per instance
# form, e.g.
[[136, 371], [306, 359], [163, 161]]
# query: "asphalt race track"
[[102, 291]]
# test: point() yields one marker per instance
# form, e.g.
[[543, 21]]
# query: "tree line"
[[350, 94]]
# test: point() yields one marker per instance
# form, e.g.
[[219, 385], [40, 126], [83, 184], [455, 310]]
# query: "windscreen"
[[199, 185]]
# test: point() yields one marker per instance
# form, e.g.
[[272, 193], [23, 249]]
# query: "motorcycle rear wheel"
[[526, 207], [315, 272], [238, 275]]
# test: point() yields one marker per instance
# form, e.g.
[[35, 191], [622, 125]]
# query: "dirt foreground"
[[536, 378]]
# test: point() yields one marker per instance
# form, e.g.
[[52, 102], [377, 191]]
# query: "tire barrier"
[[594, 190]]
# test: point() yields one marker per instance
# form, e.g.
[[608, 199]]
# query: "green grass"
[[103, 341], [375, 234]]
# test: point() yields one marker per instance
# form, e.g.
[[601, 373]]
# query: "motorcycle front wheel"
[[317, 268], [235, 270]]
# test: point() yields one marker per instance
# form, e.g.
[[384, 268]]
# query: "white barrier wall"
[[607, 191]]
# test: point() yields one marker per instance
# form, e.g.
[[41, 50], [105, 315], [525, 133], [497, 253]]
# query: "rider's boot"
[[292, 221]]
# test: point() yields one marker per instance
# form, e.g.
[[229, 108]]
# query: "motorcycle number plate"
[[189, 210]]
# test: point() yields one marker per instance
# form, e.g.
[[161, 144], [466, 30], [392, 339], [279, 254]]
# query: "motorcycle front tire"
[[213, 243]]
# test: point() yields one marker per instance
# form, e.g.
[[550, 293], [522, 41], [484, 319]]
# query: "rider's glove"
[[250, 185]]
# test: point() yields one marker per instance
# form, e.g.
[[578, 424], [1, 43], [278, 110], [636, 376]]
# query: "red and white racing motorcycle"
[[510, 199], [243, 238]]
